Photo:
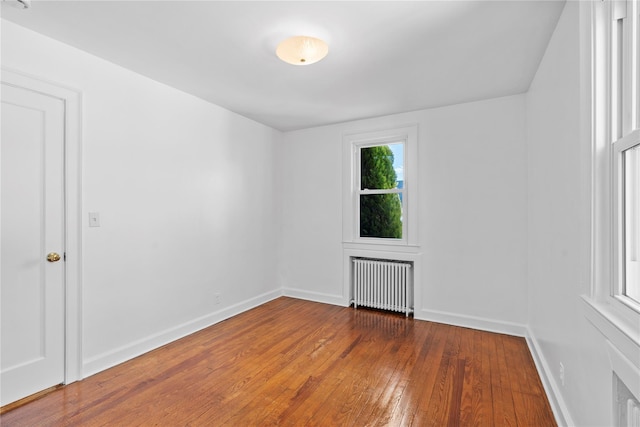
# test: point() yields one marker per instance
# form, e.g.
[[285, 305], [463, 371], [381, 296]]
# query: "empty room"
[[326, 213]]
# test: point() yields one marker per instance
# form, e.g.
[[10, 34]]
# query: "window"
[[617, 72], [624, 121], [380, 187], [612, 123]]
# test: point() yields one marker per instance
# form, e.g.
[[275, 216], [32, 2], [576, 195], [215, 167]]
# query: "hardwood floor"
[[297, 363]]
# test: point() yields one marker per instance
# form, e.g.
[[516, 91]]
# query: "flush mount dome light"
[[20, 4], [302, 50]]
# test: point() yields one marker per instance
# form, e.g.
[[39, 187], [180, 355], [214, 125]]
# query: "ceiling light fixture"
[[302, 50], [20, 4]]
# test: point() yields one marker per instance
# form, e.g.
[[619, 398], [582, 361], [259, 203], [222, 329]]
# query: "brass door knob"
[[53, 257]]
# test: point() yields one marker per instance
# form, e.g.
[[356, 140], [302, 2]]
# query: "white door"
[[32, 229]]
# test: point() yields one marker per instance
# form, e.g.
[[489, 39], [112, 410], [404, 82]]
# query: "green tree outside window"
[[380, 214]]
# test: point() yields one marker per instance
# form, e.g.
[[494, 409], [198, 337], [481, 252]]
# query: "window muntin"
[[380, 191]]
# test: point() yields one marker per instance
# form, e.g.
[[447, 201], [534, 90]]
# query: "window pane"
[[382, 166], [381, 216], [632, 222]]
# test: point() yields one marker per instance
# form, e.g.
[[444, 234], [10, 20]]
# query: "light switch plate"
[[94, 219]]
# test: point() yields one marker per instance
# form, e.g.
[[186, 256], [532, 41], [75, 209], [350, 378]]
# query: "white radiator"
[[383, 284], [633, 413], [628, 413]]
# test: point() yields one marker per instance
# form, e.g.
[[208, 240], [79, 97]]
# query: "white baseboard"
[[558, 406], [119, 355], [472, 322], [315, 297]]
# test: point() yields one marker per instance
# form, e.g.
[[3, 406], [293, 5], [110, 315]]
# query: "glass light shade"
[[19, 4], [302, 50]]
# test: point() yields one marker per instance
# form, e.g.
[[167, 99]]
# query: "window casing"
[[625, 146], [616, 56], [360, 192]]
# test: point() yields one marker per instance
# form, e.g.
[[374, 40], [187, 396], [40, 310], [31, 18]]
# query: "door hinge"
[[64, 256]]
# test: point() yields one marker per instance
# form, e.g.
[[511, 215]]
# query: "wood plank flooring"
[[298, 363]]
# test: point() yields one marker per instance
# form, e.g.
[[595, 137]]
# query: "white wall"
[[558, 231], [472, 212], [186, 196]]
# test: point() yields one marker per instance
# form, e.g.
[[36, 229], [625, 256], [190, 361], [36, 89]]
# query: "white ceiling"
[[384, 57]]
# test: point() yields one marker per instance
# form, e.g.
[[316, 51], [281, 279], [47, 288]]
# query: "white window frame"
[[614, 122], [352, 144], [623, 125]]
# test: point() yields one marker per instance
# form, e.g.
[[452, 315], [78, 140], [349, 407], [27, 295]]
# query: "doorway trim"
[[72, 99]]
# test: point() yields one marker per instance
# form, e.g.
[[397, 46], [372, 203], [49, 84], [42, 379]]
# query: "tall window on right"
[[624, 121]]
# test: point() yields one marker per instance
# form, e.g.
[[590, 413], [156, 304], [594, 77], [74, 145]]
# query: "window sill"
[[381, 246], [623, 334]]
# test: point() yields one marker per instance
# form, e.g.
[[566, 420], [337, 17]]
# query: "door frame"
[[72, 100]]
